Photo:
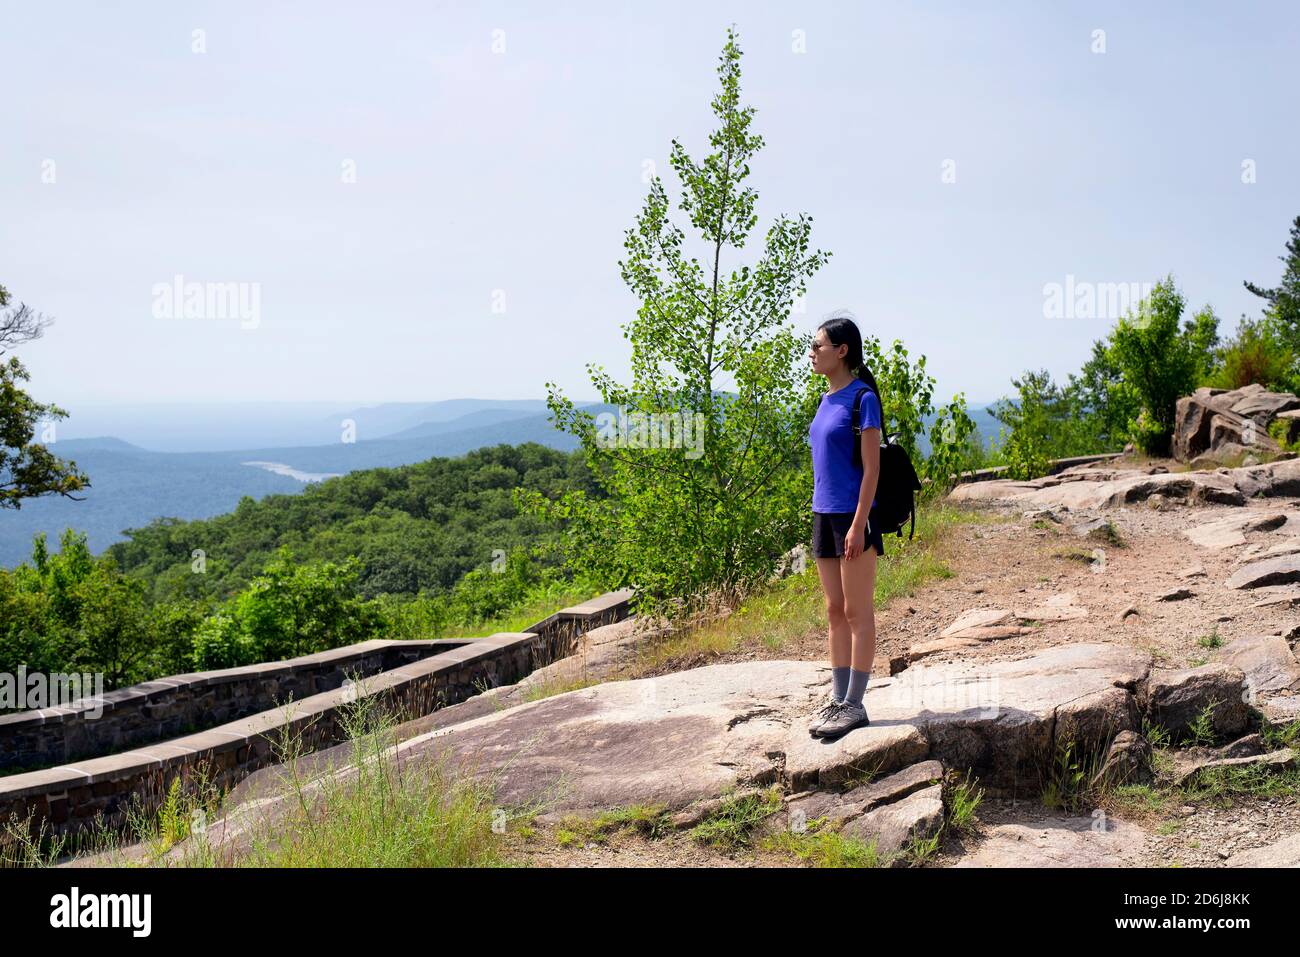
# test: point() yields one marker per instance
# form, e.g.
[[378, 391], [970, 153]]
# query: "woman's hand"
[[853, 541]]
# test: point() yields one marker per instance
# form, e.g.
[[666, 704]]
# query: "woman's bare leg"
[[858, 581], [839, 635]]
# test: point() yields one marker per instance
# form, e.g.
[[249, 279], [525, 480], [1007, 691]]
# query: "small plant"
[[173, 821], [733, 824], [1280, 429], [1073, 553], [1276, 737], [919, 850], [966, 798], [1070, 774], [1223, 785], [1212, 640], [824, 847], [1107, 534], [22, 844], [1201, 728], [1157, 734]]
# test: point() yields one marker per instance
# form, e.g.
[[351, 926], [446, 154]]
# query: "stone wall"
[[77, 797], [183, 704]]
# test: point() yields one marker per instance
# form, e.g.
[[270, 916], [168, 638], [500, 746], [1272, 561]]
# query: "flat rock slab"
[[1266, 660], [1229, 532], [1073, 842], [891, 827], [1284, 853], [673, 740], [837, 808], [977, 618], [999, 717], [925, 649], [689, 736], [1281, 708], [1110, 488], [879, 748], [1277, 595], [1282, 570]]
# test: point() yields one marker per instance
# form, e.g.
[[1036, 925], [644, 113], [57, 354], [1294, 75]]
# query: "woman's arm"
[[854, 541]]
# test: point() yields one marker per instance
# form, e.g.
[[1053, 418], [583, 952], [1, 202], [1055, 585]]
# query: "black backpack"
[[897, 484]]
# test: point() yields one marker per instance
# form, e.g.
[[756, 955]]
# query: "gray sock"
[[857, 685], [840, 682]]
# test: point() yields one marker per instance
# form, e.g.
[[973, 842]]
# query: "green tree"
[[1158, 357], [288, 610], [1284, 299], [686, 523], [27, 468], [908, 392], [1256, 353], [1101, 397]]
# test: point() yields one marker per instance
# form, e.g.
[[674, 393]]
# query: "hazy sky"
[[519, 171]]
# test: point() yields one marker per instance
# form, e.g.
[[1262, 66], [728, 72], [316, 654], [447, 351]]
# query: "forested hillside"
[[414, 528]]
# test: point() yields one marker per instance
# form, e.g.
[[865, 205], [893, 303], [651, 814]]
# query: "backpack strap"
[[857, 415]]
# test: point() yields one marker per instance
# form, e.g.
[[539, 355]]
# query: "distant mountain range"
[[132, 485]]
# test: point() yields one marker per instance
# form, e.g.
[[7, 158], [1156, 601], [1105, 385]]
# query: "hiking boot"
[[845, 718], [822, 713]]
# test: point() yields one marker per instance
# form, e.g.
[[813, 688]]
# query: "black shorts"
[[830, 530]]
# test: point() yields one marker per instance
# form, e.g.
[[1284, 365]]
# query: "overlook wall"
[[73, 797], [170, 707]]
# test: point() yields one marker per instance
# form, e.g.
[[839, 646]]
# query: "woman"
[[844, 544]]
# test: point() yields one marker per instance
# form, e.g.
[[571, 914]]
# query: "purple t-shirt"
[[837, 482]]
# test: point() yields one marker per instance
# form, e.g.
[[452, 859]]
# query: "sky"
[[422, 201]]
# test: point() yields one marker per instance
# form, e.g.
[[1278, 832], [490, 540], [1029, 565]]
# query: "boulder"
[[1175, 698], [1127, 761], [1243, 747], [1115, 488], [1264, 406], [1211, 424], [1192, 416]]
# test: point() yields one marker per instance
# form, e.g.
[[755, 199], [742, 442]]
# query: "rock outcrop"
[[1089, 488], [1214, 424]]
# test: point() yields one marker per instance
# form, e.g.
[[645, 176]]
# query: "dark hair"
[[841, 330]]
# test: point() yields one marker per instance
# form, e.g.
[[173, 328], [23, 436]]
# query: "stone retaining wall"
[[68, 799], [183, 704]]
